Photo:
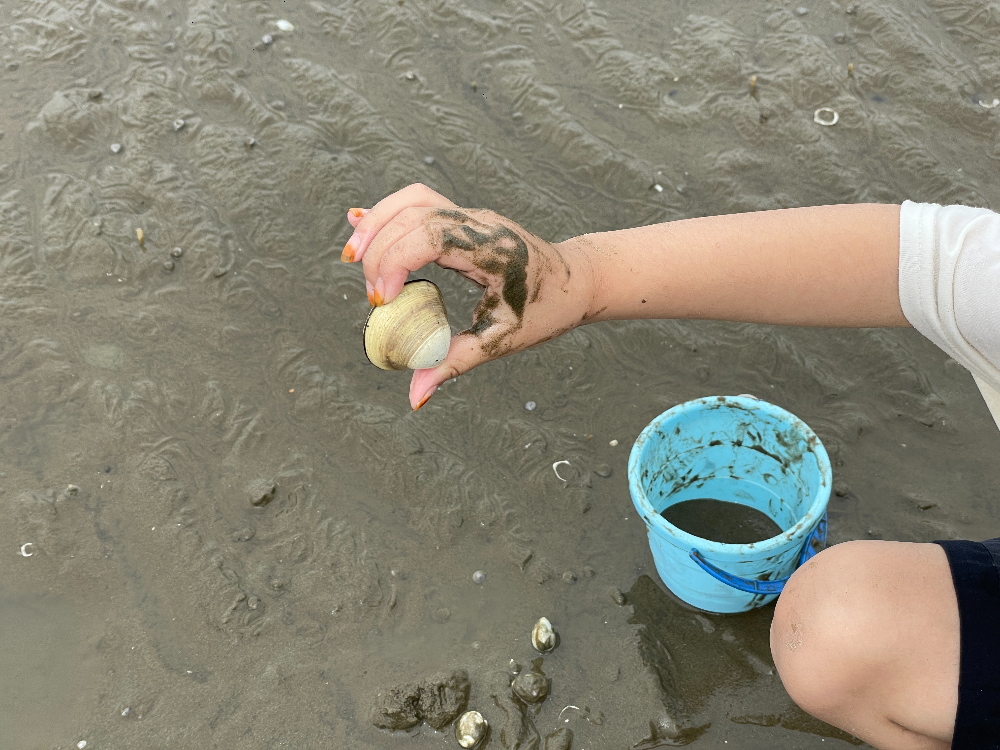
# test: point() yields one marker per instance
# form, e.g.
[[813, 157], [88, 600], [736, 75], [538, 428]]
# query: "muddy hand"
[[533, 291]]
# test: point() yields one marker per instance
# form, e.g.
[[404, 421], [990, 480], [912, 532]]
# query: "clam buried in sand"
[[411, 332], [470, 729], [531, 687], [543, 637]]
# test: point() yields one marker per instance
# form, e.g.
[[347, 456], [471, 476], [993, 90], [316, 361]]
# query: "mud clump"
[[443, 697], [438, 701], [397, 708]]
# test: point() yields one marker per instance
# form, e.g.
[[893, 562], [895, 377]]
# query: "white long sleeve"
[[949, 285]]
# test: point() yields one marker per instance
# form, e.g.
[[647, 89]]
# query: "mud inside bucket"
[[736, 449]]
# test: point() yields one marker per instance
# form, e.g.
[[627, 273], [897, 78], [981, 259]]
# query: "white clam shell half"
[[543, 636], [411, 332], [470, 729]]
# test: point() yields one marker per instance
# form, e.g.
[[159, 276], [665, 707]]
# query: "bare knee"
[[865, 637], [815, 639]]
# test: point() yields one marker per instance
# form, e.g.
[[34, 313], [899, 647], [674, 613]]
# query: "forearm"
[[819, 266]]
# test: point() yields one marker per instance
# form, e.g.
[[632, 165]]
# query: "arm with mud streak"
[[821, 266]]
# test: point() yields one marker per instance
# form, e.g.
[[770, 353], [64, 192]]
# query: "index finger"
[[412, 196], [406, 244]]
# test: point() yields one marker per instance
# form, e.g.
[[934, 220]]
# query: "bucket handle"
[[815, 542]]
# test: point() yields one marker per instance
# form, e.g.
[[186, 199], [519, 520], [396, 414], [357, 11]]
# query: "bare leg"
[[866, 637]]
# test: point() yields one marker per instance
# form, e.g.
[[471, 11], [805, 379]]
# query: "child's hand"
[[533, 290]]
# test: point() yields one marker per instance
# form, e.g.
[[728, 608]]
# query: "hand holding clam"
[[532, 290]]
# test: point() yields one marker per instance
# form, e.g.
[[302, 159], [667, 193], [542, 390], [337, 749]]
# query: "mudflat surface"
[[150, 397]]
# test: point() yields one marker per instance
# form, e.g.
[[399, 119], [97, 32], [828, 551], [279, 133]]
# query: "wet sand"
[[148, 394]]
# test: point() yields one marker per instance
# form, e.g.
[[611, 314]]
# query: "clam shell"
[[470, 729], [411, 332], [530, 687], [543, 636]]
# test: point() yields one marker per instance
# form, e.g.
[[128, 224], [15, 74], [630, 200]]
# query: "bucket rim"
[[777, 544]]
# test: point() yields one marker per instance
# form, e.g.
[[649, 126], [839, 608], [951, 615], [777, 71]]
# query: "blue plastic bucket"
[[742, 450]]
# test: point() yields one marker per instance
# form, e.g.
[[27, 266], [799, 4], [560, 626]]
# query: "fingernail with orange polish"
[[357, 213], [426, 398], [378, 294], [350, 249], [371, 292]]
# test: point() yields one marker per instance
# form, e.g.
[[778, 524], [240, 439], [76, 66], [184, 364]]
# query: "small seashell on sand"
[[470, 729], [411, 332], [284, 25], [543, 636], [115, 148], [826, 117]]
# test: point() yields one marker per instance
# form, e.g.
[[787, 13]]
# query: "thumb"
[[464, 354]]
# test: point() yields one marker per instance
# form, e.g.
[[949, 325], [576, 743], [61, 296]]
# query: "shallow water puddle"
[[721, 521], [50, 669]]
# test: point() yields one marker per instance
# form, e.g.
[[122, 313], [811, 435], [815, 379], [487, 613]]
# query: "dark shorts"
[[975, 569]]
